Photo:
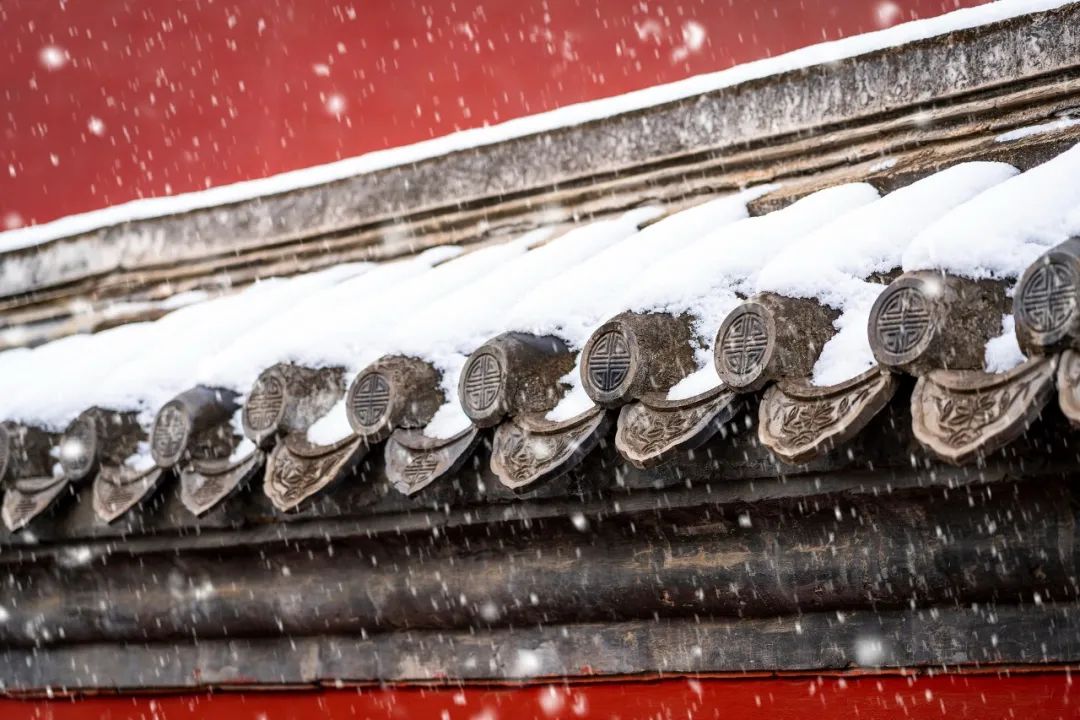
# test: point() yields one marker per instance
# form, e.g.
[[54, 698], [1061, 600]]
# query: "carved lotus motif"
[[960, 414], [527, 451], [651, 430], [118, 489], [28, 498], [798, 421], [204, 484], [414, 461], [295, 471]]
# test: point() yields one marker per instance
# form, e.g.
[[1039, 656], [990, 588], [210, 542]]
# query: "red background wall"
[[1041, 696], [109, 100]]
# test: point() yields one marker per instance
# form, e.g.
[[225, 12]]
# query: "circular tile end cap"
[[169, 436], [1045, 305], [745, 346], [370, 406], [610, 364], [901, 325], [482, 388], [79, 447], [265, 405]]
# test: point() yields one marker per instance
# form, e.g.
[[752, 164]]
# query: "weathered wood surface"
[[606, 539], [832, 553], [896, 102], [943, 639]]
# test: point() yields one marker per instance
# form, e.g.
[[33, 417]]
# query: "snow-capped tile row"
[[673, 322]]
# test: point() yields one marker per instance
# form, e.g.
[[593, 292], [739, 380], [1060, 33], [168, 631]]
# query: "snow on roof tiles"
[[972, 219]]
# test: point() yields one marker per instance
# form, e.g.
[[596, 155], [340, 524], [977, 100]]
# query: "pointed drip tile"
[[654, 429], [297, 469], [27, 498], [529, 449], [414, 461], [118, 489], [959, 415], [800, 422], [205, 483]]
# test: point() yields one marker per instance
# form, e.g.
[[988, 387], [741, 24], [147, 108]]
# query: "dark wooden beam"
[[941, 639]]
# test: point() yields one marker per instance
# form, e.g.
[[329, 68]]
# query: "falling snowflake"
[[887, 13], [53, 57], [335, 104]]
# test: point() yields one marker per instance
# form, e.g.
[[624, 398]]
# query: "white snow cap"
[[313, 329], [833, 264], [139, 366], [710, 277], [1003, 230], [53, 383], [575, 303]]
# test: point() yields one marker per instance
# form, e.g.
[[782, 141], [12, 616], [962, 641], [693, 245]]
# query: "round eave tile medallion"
[[1047, 299], [483, 378], [608, 363], [370, 399], [170, 433], [902, 322], [265, 403], [743, 346], [78, 447]]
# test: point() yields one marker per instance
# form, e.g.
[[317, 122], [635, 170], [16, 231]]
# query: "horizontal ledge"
[[940, 638], [173, 529], [843, 554]]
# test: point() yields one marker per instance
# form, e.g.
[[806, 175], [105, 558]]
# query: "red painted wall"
[[956, 697], [109, 100]]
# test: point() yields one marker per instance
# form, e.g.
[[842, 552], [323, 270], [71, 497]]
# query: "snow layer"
[[534, 124], [1031, 130], [1003, 230], [139, 366], [574, 303], [707, 278], [832, 264], [310, 331], [1003, 352], [52, 383], [446, 332], [354, 345]]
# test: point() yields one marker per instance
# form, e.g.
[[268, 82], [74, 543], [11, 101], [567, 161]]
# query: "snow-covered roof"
[[841, 249]]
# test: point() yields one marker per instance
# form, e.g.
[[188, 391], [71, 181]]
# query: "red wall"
[[109, 100], [956, 697]]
